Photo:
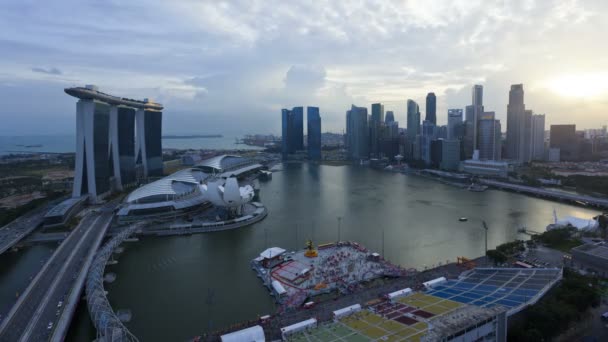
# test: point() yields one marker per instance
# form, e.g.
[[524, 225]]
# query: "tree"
[[496, 256]]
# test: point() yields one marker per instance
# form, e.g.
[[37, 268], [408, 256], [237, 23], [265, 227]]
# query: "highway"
[[31, 317], [559, 195], [15, 231]]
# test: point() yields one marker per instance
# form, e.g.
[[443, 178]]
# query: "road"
[[29, 318], [13, 232]]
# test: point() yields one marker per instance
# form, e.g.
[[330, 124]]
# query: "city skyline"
[[212, 70]]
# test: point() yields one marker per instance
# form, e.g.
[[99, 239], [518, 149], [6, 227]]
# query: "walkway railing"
[[108, 325]]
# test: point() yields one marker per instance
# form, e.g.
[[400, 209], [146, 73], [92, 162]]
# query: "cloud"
[[49, 71], [235, 64]]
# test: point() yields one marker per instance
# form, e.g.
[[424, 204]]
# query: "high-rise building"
[[518, 125], [292, 129], [429, 133], [455, 124], [106, 146], [375, 126], [450, 154], [472, 115], [298, 126], [390, 117], [313, 119], [563, 137], [148, 146], [122, 145], [489, 145], [538, 137], [358, 133], [413, 120], [477, 98], [431, 108]]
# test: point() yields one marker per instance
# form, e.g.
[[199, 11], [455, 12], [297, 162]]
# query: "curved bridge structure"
[[108, 325]]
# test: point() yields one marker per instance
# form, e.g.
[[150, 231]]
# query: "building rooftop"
[[453, 322], [63, 207], [600, 251]]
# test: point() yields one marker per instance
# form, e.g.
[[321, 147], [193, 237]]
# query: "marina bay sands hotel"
[[115, 137]]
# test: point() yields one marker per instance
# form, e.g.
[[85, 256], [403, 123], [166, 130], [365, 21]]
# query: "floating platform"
[[292, 277]]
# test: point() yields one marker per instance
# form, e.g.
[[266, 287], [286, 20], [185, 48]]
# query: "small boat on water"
[[463, 219], [477, 187]]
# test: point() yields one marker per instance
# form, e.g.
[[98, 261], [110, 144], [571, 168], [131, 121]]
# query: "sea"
[[67, 143]]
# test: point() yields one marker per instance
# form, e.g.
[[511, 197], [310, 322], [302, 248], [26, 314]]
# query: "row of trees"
[[503, 252], [558, 310]]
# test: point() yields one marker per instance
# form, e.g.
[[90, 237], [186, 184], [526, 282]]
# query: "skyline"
[[214, 64]]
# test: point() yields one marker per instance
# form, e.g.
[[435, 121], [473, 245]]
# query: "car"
[[50, 326], [59, 304]]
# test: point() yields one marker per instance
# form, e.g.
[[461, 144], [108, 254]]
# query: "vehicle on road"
[[50, 326]]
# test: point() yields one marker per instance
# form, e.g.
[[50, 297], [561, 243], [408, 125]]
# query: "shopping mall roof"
[[176, 184], [225, 162]]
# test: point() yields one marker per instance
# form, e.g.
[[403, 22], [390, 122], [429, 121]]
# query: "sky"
[[229, 67]]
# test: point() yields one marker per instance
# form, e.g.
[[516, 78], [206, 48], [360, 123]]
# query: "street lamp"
[[485, 227], [339, 226]]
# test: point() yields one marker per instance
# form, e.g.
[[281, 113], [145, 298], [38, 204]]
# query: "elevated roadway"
[[54, 292], [558, 195], [21, 227]]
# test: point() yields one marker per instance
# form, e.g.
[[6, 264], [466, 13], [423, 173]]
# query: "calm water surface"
[[178, 287]]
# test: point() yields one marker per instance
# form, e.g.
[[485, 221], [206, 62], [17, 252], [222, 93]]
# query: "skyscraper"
[[431, 108], [298, 128], [472, 115], [517, 125], [313, 120], [455, 124], [390, 117], [429, 133], [122, 145], [106, 149], [564, 138], [358, 133], [292, 129], [489, 137], [376, 123], [148, 146], [413, 120], [538, 137]]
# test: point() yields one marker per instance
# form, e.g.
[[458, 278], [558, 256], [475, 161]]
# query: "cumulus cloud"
[[237, 63]]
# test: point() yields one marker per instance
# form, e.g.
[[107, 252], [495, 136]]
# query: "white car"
[[50, 326], [59, 304]]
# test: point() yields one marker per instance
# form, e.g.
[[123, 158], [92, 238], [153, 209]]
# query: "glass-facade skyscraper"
[[313, 120], [431, 108], [517, 125], [357, 133], [292, 129]]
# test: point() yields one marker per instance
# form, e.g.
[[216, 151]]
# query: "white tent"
[[278, 287], [294, 328], [272, 252], [400, 293], [346, 311], [434, 282], [253, 334]]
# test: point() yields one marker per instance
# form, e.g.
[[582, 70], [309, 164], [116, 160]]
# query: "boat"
[[477, 187], [463, 219]]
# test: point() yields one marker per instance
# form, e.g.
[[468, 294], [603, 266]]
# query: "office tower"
[[436, 146], [472, 115], [563, 137], [92, 171], [477, 98], [429, 133], [489, 137], [450, 154], [286, 129], [122, 145], [148, 144], [313, 119], [413, 120], [431, 108], [455, 124], [375, 126], [358, 133], [349, 132], [298, 128], [518, 125], [538, 137], [106, 145], [390, 117], [292, 129]]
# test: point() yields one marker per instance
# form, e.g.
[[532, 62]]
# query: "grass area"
[[562, 239]]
